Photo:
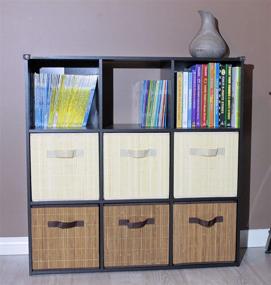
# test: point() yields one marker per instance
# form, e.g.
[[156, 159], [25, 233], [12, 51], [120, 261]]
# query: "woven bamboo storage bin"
[[204, 233], [136, 165], [205, 164], [136, 235], [64, 166], [66, 237]]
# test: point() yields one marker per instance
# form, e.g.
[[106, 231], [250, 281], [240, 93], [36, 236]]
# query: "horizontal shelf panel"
[[205, 199], [60, 130], [132, 201], [134, 268], [64, 203], [207, 130], [133, 128], [188, 58]]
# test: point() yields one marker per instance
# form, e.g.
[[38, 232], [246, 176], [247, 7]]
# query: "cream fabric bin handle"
[[138, 153], [71, 153], [207, 152]]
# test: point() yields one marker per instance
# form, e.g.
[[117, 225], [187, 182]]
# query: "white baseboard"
[[254, 238], [13, 245], [19, 245]]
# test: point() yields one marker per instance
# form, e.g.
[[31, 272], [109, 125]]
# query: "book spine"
[[189, 118], [159, 103], [211, 80], [204, 95], [198, 96], [226, 95], [216, 89], [154, 106], [150, 97], [185, 99], [238, 96], [179, 98], [145, 101], [222, 78], [236, 92], [165, 105], [194, 96], [233, 98], [229, 95]]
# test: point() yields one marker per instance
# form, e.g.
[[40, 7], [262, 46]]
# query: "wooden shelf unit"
[[143, 232]]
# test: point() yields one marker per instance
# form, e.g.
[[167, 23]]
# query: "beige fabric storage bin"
[[64, 166], [136, 165], [205, 164]]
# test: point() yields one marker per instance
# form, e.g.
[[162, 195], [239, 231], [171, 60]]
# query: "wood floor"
[[255, 269]]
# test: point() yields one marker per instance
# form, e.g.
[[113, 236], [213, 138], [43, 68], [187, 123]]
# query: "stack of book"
[[153, 103], [208, 96], [63, 101]]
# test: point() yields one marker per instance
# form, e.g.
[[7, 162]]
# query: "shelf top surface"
[[136, 58]]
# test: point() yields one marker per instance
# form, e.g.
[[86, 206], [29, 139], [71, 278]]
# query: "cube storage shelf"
[[115, 196]]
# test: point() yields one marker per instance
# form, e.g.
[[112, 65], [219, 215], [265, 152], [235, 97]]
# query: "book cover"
[[204, 95], [92, 86], [198, 95]]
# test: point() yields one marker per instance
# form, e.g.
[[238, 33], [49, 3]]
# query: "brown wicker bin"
[[136, 235], [66, 237], [204, 232]]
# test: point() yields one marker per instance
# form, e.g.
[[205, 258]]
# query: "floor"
[[255, 269]]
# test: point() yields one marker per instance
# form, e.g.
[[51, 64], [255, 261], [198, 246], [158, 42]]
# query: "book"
[[236, 92], [229, 95], [204, 95], [63, 101], [153, 100], [189, 117], [216, 96], [194, 95], [222, 86], [211, 99], [179, 98], [92, 83], [185, 99], [198, 95]]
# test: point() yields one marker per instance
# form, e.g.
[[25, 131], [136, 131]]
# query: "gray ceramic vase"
[[208, 42]]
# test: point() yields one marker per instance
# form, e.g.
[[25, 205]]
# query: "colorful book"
[[189, 118], [198, 95], [222, 86], [211, 83], [179, 99], [185, 99], [216, 96], [236, 92], [204, 95], [194, 95], [229, 95]]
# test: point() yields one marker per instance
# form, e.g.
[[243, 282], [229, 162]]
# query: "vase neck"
[[208, 21]]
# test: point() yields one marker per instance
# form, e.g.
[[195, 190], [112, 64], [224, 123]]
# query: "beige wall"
[[132, 28]]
